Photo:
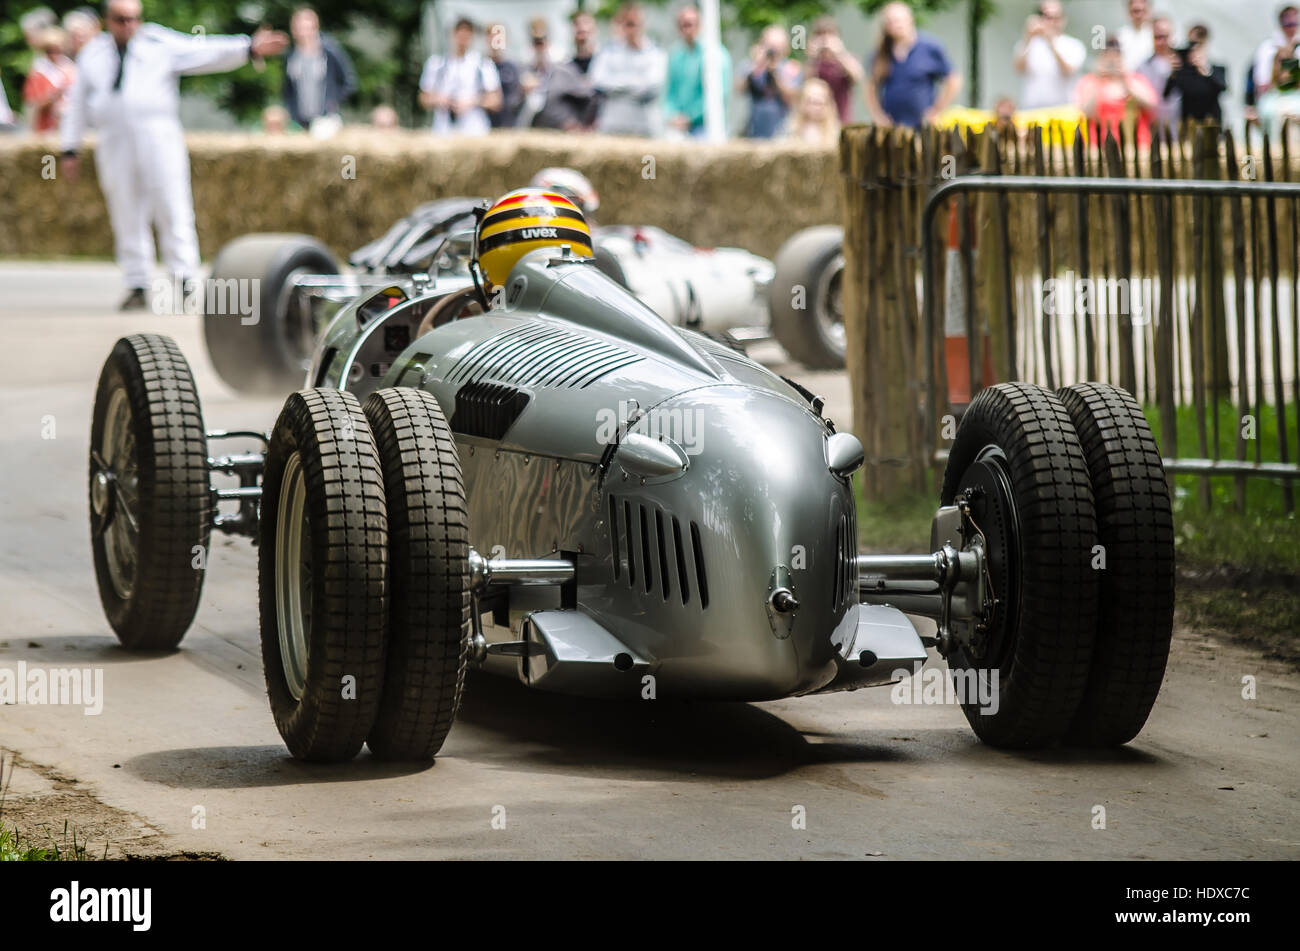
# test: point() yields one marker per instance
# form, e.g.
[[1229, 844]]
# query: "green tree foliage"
[[388, 70]]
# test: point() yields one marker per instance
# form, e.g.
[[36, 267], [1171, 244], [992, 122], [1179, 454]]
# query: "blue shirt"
[[908, 91]]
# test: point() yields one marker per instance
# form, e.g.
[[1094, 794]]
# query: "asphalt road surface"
[[185, 757]]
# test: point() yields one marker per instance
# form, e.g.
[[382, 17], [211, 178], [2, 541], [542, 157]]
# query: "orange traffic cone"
[[956, 346]]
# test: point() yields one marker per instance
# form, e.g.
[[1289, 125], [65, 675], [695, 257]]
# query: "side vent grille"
[[846, 559], [536, 354], [650, 552], [487, 409]]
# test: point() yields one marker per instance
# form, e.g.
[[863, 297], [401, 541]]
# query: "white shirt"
[[1264, 57], [155, 60], [1043, 84], [1136, 45], [460, 77], [632, 81]]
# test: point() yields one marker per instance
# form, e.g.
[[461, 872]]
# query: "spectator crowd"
[[1146, 73]]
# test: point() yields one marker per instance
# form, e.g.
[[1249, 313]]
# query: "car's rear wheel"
[[323, 575], [429, 597], [150, 502], [1135, 564], [1018, 461], [805, 297], [267, 351]]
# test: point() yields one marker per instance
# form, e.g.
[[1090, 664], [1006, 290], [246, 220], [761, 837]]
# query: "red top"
[[1114, 105], [43, 92]]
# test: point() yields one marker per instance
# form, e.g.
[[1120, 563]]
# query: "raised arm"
[[200, 54]]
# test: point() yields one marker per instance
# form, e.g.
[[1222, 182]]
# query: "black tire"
[[149, 578], [323, 438], [429, 587], [270, 355], [1135, 527], [1016, 442], [809, 267]]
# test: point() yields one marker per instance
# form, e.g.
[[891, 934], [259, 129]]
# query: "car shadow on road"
[[503, 722], [78, 650], [246, 767]]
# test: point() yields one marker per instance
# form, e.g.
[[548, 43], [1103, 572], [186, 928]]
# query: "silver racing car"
[[568, 490]]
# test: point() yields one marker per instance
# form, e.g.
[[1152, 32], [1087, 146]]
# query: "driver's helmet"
[[525, 220], [571, 182]]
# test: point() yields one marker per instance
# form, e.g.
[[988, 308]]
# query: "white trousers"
[[144, 171]]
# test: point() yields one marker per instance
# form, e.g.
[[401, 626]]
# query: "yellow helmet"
[[524, 220]]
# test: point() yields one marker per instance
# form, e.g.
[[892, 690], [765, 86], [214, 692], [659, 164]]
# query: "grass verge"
[[14, 848]]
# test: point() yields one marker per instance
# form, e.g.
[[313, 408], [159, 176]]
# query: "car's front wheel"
[[1018, 464], [323, 575]]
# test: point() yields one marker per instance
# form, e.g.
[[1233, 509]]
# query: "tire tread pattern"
[[429, 614], [1136, 532]]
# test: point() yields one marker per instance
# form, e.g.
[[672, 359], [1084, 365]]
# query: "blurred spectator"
[[48, 81], [1198, 83], [1004, 114], [1048, 59], [33, 23], [512, 93], [318, 76], [830, 62], [1277, 72], [684, 96], [81, 25], [534, 76], [815, 119], [584, 41], [1111, 95], [1135, 37], [904, 71], [275, 120], [629, 75], [460, 89], [571, 100], [384, 118], [1160, 65], [772, 83]]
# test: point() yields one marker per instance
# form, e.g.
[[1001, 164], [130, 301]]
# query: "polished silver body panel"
[[681, 534]]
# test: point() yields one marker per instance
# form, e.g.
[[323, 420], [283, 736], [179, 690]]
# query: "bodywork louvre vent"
[[613, 537], [682, 583], [538, 354], [487, 409], [646, 571], [846, 559], [646, 539], [627, 537], [701, 578], [664, 582]]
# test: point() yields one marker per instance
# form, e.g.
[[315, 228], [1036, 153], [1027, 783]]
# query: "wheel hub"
[[103, 493], [991, 520]]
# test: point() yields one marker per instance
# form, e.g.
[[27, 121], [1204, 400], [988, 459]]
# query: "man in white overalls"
[[127, 89]]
